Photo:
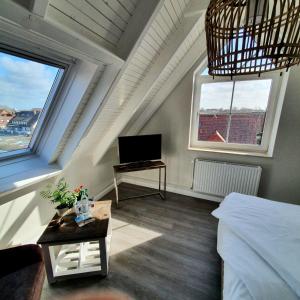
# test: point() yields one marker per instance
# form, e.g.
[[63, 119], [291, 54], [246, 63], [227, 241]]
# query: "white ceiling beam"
[[143, 90], [92, 133], [144, 114], [196, 8], [146, 111], [17, 21], [39, 7], [136, 25]]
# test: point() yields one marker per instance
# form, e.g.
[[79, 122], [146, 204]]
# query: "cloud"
[[24, 84], [250, 94]]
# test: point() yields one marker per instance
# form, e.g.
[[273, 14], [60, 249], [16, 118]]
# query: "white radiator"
[[220, 178]]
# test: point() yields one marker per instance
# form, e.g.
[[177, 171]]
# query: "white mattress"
[[259, 242], [234, 288]]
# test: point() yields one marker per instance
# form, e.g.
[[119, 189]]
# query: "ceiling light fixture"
[[252, 36]]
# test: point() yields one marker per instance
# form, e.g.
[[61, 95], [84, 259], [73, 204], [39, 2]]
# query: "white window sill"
[[19, 173], [232, 152]]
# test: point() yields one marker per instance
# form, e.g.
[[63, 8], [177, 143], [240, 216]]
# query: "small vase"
[[61, 211]]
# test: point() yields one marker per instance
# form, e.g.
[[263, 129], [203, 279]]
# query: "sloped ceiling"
[[166, 42], [143, 49], [101, 21]]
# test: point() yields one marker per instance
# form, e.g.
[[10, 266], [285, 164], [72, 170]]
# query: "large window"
[[234, 115], [27, 88]]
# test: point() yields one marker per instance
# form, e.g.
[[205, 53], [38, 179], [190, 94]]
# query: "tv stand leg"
[[116, 190], [163, 193], [159, 179], [165, 183]]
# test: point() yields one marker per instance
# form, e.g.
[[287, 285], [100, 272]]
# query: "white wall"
[[24, 214], [97, 178], [281, 174]]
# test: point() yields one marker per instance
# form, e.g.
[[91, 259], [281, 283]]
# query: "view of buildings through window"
[[24, 88], [233, 111]]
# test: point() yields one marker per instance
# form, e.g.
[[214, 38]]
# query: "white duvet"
[[259, 240]]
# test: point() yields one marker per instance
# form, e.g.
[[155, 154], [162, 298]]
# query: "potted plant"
[[61, 196]]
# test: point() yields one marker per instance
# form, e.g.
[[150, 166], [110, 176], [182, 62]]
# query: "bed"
[[259, 242]]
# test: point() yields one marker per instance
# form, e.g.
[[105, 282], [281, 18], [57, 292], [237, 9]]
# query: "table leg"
[[103, 257], [159, 179], [116, 189], [48, 263], [165, 184]]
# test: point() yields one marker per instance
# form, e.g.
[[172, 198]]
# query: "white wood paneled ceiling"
[[148, 51], [167, 39], [101, 21]]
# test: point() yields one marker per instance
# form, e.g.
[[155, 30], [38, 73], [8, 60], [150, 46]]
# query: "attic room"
[[149, 149]]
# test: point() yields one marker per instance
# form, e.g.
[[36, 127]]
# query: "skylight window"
[[27, 87]]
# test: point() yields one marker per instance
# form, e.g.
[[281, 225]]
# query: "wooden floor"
[[160, 250]]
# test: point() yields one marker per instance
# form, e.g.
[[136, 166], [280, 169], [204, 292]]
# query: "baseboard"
[[153, 184], [106, 190], [170, 188]]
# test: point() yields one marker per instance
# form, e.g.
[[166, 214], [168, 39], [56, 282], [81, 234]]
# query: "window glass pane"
[[249, 106], [254, 61], [24, 88], [215, 97], [214, 108], [205, 72]]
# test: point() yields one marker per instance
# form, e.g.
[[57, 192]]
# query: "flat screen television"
[[139, 148]]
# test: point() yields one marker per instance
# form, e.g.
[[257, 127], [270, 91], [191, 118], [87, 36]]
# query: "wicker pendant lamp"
[[252, 36]]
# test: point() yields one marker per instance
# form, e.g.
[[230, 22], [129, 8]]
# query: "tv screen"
[[139, 148]]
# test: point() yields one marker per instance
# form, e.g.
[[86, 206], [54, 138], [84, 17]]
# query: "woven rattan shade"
[[252, 36]]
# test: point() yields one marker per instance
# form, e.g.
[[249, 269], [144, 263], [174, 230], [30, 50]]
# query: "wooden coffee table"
[[70, 251]]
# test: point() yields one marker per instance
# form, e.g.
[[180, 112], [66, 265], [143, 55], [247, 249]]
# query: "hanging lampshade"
[[252, 36]]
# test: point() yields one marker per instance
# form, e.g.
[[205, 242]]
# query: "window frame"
[[271, 120], [54, 60]]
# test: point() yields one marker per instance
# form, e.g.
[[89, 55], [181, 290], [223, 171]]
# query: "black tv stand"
[[141, 166], [138, 164]]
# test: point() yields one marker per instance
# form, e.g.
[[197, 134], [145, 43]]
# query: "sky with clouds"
[[24, 84], [248, 94]]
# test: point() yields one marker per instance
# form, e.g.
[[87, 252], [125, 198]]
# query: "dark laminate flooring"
[[160, 250]]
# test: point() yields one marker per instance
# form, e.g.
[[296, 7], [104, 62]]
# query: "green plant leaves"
[[61, 195]]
